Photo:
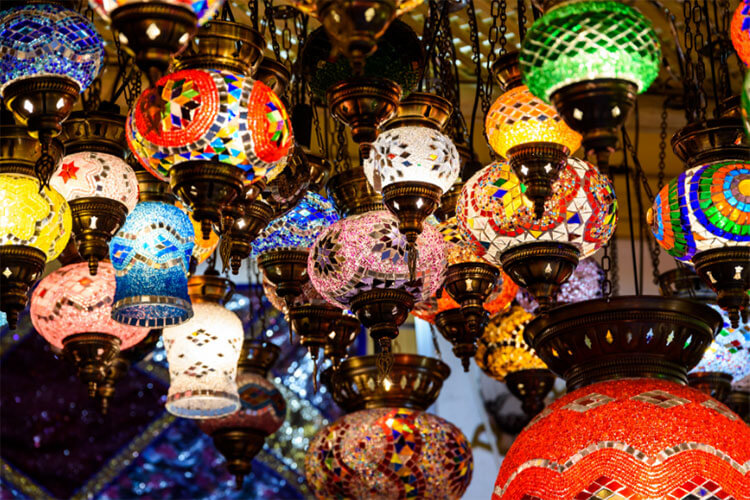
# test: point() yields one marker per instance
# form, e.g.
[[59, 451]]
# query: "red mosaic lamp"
[[630, 427]]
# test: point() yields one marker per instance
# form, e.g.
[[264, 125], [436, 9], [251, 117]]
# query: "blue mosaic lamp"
[[729, 352], [151, 255]]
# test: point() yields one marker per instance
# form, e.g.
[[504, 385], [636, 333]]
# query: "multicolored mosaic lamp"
[[71, 309], [360, 263], [50, 54], [409, 453], [528, 133], [203, 352], [703, 217], [539, 254], [740, 31], [630, 429], [590, 58], [240, 436], [99, 185]]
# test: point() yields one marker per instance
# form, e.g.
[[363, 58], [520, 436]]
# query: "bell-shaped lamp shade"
[[298, 228], [209, 115], [740, 31], [412, 154], [730, 350], [589, 40], [151, 255], [70, 301], [493, 210], [202, 354], [203, 9], [367, 251], [39, 39], [704, 208], [30, 217], [519, 117], [584, 284]]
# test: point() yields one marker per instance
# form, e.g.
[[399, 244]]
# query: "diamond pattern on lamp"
[[662, 399], [588, 402], [715, 405]]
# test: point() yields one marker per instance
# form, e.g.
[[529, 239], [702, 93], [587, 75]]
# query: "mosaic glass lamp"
[[584, 284], [702, 217], [729, 353], [240, 436], [740, 31], [50, 54], [209, 131], [539, 254], [590, 58], [409, 453], [528, 133], [151, 256], [71, 309], [203, 352]]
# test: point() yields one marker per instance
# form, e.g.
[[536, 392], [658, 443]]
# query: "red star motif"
[[68, 171]]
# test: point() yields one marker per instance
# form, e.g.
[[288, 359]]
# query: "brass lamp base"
[[105, 389], [344, 333], [538, 166], [531, 387], [223, 45], [20, 267], [245, 228], [453, 326], [421, 109], [363, 103], [207, 187], [91, 353], [42, 103], [712, 140], [447, 207], [541, 268], [469, 284], [314, 324], [596, 109], [258, 356], [287, 270], [95, 221], [716, 384], [727, 271], [239, 445], [352, 194]]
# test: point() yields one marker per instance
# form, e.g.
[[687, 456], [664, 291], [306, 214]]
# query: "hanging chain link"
[[722, 21], [132, 79], [688, 82], [606, 264], [435, 343], [653, 246], [497, 33], [700, 67], [521, 20], [270, 26], [476, 58], [342, 155]]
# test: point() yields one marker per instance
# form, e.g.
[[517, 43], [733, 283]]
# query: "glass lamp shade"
[[299, 227], [203, 9], [630, 438], [730, 350], [71, 301], [48, 39], [209, 115], [202, 248], [389, 453], [584, 284], [493, 210], [367, 251], [92, 174], [518, 117], [740, 31], [28, 216], [262, 407], [457, 248], [703, 208], [501, 349], [202, 354], [589, 40], [412, 154], [151, 254]]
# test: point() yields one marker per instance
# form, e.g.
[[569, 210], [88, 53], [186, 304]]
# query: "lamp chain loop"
[[476, 58], [435, 343], [271, 27], [521, 20], [342, 156], [498, 11], [606, 264], [725, 86], [688, 83], [700, 67]]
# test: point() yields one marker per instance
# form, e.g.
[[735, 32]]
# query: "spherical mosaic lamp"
[[71, 309], [50, 54], [387, 446], [203, 352], [590, 58], [241, 435], [740, 31], [702, 217], [539, 254], [151, 256]]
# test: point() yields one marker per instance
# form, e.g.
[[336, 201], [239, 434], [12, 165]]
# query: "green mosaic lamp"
[[590, 59]]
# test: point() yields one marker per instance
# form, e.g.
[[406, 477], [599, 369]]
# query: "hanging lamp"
[[71, 309], [344, 334], [240, 436], [584, 284], [98, 184], [589, 59], [202, 249], [387, 445], [352, 194], [539, 254], [740, 31], [203, 352], [50, 54]]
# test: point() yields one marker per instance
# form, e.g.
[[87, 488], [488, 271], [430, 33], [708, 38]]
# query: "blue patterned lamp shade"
[[299, 228], [151, 254], [730, 350], [48, 39]]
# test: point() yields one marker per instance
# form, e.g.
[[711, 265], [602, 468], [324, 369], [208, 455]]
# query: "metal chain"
[[252, 7], [606, 264], [132, 80], [521, 20], [700, 67], [662, 145], [342, 156], [688, 82], [615, 272], [476, 58], [435, 343], [271, 27], [91, 98], [725, 86], [498, 11]]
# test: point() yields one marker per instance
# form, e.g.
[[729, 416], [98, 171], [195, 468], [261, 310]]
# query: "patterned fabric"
[[518, 117], [494, 211], [367, 251], [48, 39], [740, 30], [589, 40], [90, 174], [203, 9], [703, 208], [647, 438], [209, 115], [389, 453], [70, 301], [730, 350]]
